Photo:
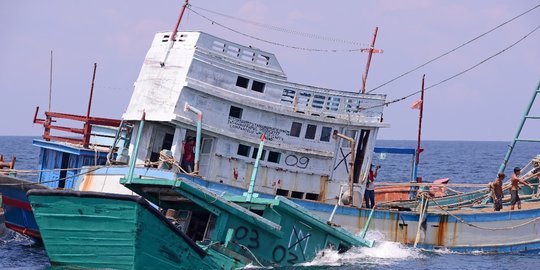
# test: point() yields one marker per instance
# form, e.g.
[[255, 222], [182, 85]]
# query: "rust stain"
[[323, 187], [442, 230], [87, 182], [454, 235]]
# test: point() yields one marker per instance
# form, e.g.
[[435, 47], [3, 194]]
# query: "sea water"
[[461, 161]]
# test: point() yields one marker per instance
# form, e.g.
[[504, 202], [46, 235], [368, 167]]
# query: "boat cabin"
[[235, 93]]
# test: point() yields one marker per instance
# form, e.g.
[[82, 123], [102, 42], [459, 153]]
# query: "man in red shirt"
[[369, 195], [188, 157]]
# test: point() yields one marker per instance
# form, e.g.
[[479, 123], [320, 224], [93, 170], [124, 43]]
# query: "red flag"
[[416, 105]]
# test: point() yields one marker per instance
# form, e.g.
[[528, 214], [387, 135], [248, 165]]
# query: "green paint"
[[100, 231]]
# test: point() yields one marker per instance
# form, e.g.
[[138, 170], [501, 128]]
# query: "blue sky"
[[483, 104]]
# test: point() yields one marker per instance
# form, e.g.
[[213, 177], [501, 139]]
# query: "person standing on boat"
[[188, 158], [369, 195], [515, 180], [497, 192]]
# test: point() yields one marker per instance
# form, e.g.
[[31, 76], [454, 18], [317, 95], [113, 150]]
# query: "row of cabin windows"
[[297, 194], [255, 85], [245, 150], [311, 130]]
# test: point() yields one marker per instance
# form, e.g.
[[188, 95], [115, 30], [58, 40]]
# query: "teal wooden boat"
[[208, 231]]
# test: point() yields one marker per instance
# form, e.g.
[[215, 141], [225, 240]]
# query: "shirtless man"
[[515, 187], [497, 193]]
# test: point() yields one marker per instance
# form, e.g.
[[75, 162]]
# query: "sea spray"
[[383, 253]]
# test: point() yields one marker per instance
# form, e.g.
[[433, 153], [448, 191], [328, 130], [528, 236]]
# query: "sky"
[[483, 104]]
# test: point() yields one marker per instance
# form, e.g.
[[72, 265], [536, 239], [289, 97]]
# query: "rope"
[[455, 75], [284, 30], [170, 160], [274, 42], [485, 228], [253, 255], [455, 49]]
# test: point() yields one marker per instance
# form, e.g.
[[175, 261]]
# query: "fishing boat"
[[320, 143], [68, 143], [205, 231]]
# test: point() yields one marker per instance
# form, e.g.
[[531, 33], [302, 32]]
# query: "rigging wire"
[[276, 43], [459, 73], [453, 50], [284, 30]]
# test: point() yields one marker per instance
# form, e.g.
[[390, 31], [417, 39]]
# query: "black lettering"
[[279, 254]]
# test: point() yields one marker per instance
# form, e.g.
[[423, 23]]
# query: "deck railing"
[[51, 118]]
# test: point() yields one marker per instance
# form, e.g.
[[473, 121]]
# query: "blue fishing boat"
[[69, 142]]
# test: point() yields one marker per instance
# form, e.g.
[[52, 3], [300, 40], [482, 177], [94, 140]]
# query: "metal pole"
[[173, 34], [86, 135], [135, 150], [249, 195], [511, 147], [418, 149], [364, 77], [50, 81]]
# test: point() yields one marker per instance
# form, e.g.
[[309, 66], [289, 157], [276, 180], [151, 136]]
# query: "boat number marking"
[[292, 160], [242, 232], [280, 253]]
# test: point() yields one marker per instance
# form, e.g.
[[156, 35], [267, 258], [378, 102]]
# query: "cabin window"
[[351, 134], [255, 150], [206, 145], [243, 150], [297, 194], [258, 86], [312, 196], [295, 129], [325, 134], [274, 157], [236, 112], [242, 82], [288, 95], [318, 101], [310, 131], [282, 192]]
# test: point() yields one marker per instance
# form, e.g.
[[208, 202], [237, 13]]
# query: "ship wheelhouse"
[[241, 93]]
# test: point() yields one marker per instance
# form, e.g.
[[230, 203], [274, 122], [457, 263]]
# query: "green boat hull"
[[206, 231], [96, 230]]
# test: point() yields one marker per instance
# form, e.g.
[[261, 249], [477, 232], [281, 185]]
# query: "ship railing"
[[95, 131]]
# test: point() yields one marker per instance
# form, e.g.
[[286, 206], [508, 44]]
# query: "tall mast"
[[50, 81], [371, 51], [173, 34], [418, 149]]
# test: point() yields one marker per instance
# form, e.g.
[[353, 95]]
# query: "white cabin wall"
[[144, 143], [158, 88], [177, 147]]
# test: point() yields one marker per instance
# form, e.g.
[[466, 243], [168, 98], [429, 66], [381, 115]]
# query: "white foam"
[[382, 253]]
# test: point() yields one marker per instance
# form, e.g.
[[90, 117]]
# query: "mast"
[[173, 34], [418, 149], [50, 81], [87, 126], [371, 51]]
